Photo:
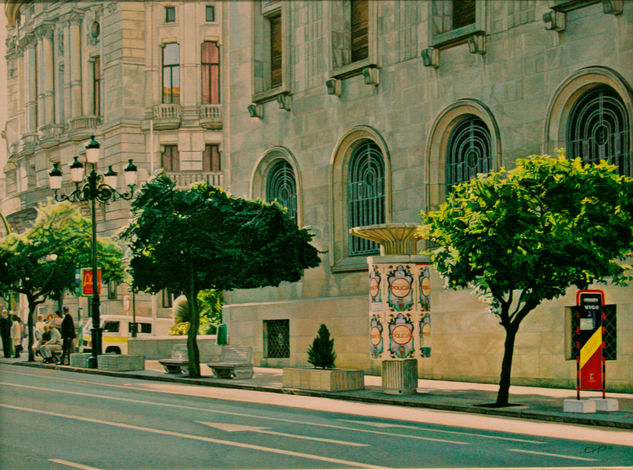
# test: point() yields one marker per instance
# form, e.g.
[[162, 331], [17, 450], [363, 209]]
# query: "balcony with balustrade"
[[184, 179], [211, 116], [167, 116], [82, 127], [50, 135]]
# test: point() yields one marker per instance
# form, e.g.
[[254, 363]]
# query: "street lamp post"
[[100, 188]]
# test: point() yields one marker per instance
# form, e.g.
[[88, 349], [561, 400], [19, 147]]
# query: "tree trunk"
[[194, 323], [506, 366], [29, 322]]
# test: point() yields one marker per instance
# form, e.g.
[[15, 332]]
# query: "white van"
[[116, 331]]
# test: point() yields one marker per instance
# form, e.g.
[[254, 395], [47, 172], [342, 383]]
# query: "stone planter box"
[[400, 377], [329, 380], [121, 362], [79, 360]]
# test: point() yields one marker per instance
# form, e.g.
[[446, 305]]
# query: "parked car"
[[116, 331]]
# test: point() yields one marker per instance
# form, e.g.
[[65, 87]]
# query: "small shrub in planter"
[[321, 353]]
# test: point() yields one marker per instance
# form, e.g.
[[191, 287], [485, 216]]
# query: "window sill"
[[456, 36], [351, 264], [570, 5], [270, 95], [349, 70]]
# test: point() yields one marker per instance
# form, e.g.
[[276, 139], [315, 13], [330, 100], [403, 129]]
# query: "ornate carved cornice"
[[45, 31]]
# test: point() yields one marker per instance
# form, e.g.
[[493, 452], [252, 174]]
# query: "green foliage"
[[526, 235], [321, 351], [41, 262], [202, 238], [179, 329], [210, 303]]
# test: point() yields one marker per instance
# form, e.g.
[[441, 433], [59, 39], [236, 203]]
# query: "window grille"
[[210, 73], [171, 73], [275, 51], [170, 159], [359, 29], [366, 194], [599, 129], [277, 338], [281, 186], [469, 151]]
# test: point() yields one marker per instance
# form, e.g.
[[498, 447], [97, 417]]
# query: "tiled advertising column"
[[399, 304]]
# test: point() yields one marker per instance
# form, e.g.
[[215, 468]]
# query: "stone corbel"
[[554, 20], [284, 101], [334, 86], [256, 111], [477, 44], [431, 57], [612, 7], [371, 76]]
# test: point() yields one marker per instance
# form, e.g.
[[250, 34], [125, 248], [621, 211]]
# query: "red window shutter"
[[275, 51], [211, 158], [171, 158], [360, 29]]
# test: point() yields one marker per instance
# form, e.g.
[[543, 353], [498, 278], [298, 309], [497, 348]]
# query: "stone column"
[[75, 64], [30, 80], [21, 83], [40, 77], [67, 67], [49, 74]]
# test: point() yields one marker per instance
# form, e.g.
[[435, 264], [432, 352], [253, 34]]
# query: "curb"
[[472, 409]]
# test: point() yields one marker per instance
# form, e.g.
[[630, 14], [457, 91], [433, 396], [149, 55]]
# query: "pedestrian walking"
[[16, 335], [68, 337], [5, 332]]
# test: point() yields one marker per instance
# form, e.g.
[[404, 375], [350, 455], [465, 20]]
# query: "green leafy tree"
[[210, 302], [524, 236], [321, 351], [202, 238], [41, 262]]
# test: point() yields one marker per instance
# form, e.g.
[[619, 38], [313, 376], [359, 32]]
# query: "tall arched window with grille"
[[468, 151], [281, 186], [365, 194], [599, 128]]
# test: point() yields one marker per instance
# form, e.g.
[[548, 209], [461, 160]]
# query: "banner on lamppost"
[[86, 282]]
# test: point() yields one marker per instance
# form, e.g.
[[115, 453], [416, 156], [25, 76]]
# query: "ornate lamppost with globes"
[[100, 188]]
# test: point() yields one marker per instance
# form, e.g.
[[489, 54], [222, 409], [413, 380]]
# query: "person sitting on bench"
[[52, 346]]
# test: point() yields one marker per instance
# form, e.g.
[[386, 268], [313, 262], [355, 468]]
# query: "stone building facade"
[[356, 113], [143, 77]]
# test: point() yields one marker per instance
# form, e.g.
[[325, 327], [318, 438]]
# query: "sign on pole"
[[589, 339], [86, 282]]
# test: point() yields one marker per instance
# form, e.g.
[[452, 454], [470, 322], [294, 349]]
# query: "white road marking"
[[241, 428], [230, 413], [485, 436], [73, 464], [194, 437], [553, 455]]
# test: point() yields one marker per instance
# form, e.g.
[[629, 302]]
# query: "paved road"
[[61, 420]]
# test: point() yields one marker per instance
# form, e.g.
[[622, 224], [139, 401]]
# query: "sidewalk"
[[543, 404]]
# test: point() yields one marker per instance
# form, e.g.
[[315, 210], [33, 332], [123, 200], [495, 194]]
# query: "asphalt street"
[[59, 420]]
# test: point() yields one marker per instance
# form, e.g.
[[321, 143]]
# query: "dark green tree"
[[321, 351], [202, 238], [523, 236], [41, 262]]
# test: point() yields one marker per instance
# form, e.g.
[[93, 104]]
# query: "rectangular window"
[[276, 338], [96, 86], [60, 95], [167, 298], [211, 158], [170, 159], [171, 73], [210, 68], [275, 51], [359, 29], [145, 328], [464, 13], [209, 13], [170, 14]]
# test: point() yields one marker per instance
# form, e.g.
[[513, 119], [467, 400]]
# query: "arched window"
[[599, 129], [366, 194], [281, 186], [468, 151]]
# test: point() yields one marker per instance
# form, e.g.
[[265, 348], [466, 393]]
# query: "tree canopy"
[[526, 235], [200, 238], [41, 262]]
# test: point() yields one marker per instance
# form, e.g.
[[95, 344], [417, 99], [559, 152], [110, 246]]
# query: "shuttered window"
[[170, 159], [359, 29], [210, 68], [275, 51], [211, 158], [464, 13]]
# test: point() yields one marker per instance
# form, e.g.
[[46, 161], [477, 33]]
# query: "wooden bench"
[[235, 363], [178, 359]]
